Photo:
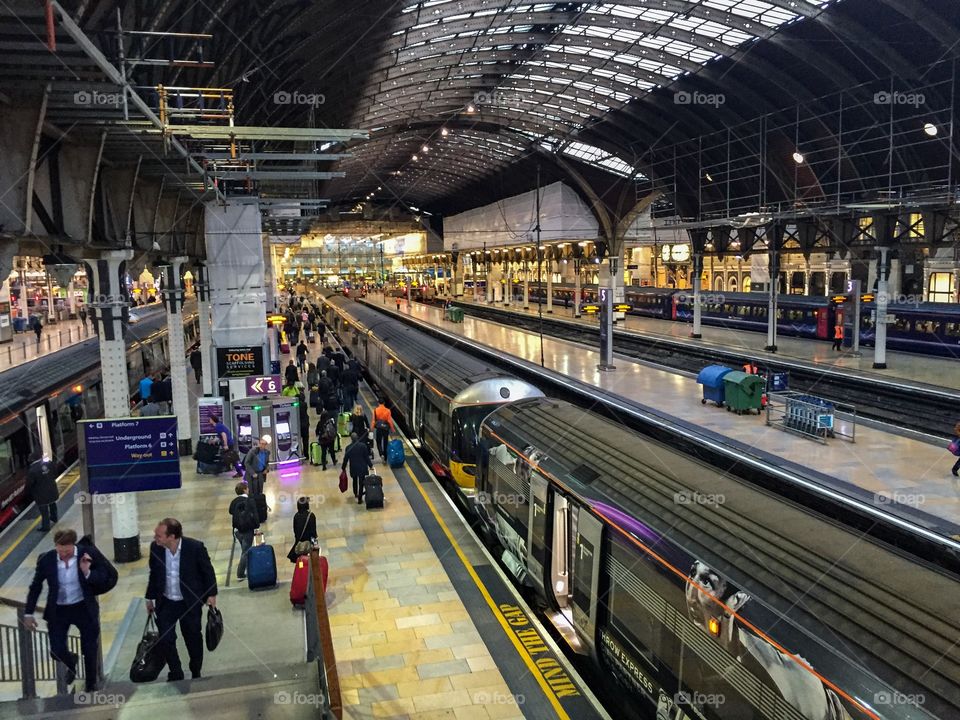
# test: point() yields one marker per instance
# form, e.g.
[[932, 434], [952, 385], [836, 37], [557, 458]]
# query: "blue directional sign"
[[131, 454]]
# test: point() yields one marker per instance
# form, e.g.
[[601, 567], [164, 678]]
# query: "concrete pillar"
[[697, 308], [71, 300], [22, 302], [507, 285], [489, 283], [108, 308], [895, 278], [202, 289], [576, 288], [526, 287], [176, 345], [549, 264], [51, 308], [880, 339]]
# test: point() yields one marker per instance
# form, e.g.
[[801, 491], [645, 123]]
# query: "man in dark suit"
[[181, 581], [75, 574]]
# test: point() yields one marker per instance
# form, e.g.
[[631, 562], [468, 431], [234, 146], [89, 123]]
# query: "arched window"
[[718, 283], [747, 283], [732, 283]]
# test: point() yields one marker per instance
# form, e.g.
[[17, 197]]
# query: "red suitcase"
[[301, 574]]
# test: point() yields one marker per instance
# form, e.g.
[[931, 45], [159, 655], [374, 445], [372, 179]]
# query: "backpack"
[[329, 431], [245, 518]]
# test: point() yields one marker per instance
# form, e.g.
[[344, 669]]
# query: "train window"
[[466, 430], [582, 572], [903, 325], [6, 458], [953, 329]]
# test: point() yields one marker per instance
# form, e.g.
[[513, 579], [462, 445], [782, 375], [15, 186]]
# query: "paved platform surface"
[[926, 369], [406, 644], [895, 470]]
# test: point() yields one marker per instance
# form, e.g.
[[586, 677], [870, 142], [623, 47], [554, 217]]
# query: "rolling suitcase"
[[343, 424], [311, 338], [315, 453], [373, 491], [301, 576], [261, 566], [395, 456], [285, 348], [261, 502]]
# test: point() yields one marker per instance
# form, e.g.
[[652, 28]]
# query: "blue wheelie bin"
[[711, 377]]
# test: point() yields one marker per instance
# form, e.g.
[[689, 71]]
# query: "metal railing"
[[25, 655], [49, 340], [810, 416], [320, 642]]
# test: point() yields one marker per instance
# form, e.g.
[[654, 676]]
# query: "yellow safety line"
[[521, 650], [36, 521]]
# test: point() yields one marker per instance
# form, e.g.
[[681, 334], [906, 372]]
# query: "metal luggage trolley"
[[807, 415]]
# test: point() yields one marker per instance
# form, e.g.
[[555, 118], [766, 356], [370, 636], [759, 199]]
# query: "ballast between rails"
[[925, 544]]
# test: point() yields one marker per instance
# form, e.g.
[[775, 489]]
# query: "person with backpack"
[[327, 437], [75, 573], [302, 351], [243, 512]]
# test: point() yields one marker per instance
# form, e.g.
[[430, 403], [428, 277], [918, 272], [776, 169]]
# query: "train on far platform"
[[43, 400], [916, 327]]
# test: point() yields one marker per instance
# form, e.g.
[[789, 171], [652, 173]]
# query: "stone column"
[[507, 285], [526, 286], [108, 308], [51, 307], [71, 301], [176, 346], [202, 289], [549, 265], [576, 288]]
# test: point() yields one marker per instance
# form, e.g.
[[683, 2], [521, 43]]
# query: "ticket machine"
[[276, 416]]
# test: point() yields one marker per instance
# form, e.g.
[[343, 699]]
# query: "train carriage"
[[441, 393]]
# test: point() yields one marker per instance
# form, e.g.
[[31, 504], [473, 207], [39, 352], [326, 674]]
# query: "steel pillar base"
[[770, 348], [606, 368], [126, 549], [879, 366], [696, 336]]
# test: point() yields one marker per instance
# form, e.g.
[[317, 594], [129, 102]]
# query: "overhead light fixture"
[[425, 148], [930, 129], [415, 158], [709, 179], [471, 108], [444, 132], [797, 157]]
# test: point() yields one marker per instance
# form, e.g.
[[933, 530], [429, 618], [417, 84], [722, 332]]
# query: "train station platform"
[[423, 623], [907, 367], [896, 472]]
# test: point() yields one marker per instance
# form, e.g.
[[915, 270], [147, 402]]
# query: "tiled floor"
[[405, 644], [913, 473]]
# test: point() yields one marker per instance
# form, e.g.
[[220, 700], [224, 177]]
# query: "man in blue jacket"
[[75, 574], [181, 582]]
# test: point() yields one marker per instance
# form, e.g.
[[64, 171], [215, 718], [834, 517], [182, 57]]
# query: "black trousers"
[[188, 614], [382, 437], [324, 449], [358, 483], [48, 515], [956, 467], [79, 616]]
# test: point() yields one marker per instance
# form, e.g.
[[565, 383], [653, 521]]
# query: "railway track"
[[921, 408]]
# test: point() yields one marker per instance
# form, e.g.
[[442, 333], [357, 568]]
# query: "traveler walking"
[[243, 514], [75, 573], [327, 437], [196, 362], [838, 337], [357, 456], [181, 581], [383, 426]]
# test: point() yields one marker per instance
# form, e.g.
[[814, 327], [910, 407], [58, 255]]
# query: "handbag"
[[343, 481], [954, 447], [301, 546], [214, 630], [149, 660]]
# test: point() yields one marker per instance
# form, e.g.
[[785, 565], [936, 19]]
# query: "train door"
[[537, 532], [41, 432], [561, 566], [417, 409], [586, 576]]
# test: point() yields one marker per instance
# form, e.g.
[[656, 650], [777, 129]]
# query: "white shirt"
[[70, 592], [172, 591]]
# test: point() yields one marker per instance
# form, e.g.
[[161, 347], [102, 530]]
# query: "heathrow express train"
[[695, 595], [442, 393], [925, 328], [43, 400]]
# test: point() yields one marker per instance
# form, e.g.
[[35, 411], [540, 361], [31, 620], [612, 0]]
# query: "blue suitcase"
[[395, 456], [261, 567]]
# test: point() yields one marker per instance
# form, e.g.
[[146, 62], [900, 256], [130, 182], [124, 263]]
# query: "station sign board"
[[122, 455], [264, 385], [239, 362]]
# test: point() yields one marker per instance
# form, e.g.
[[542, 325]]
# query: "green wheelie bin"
[[743, 392]]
